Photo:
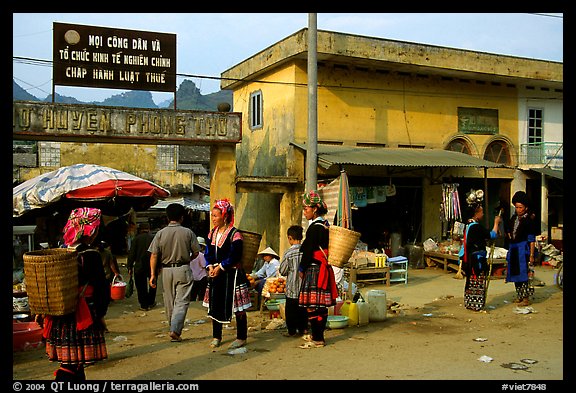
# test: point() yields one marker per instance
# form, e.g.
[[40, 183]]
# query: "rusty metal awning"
[[329, 155]]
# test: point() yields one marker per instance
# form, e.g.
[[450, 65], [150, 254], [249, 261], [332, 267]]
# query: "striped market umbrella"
[[86, 185], [344, 208]]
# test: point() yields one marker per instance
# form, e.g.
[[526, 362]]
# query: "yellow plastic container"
[[350, 309]]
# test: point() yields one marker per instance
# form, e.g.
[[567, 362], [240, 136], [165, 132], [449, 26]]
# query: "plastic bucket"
[[26, 335], [377, 305], [118, 289]]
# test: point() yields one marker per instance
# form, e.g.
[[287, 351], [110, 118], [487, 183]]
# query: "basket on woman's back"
[[341, 243], [51, 281]]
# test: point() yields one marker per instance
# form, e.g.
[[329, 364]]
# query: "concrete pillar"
[[518, 184], [223, 173], [290, 214], [544, 206]]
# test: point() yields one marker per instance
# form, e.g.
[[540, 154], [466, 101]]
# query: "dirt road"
[[432, 337]]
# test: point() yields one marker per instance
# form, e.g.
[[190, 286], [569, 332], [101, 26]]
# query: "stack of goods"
[[251, 280], [274, 287]]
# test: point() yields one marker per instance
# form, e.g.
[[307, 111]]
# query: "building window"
[[166, 157], [460, 146], [498, 152], [535, 125], [49, 154], [256, 110]]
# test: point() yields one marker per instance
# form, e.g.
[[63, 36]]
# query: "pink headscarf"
[[227, 210], [83, 221]]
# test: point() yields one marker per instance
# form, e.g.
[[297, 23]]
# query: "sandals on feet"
[[237, 344], [525, 302], [307, 337], [311, 344], [215, 343], [175, 337]]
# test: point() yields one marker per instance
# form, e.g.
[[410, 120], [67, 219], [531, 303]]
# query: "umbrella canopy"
[[344, 209], [111, 190]]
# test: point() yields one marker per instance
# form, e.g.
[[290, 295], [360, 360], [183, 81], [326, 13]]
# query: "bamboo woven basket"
[[250, 249], [51, 281], [341, 244]]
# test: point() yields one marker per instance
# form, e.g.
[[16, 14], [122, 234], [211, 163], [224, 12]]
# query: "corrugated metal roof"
[[185, 201], [550, 172], [329, 155]]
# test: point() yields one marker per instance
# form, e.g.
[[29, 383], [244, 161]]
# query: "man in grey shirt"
[[172, 249]]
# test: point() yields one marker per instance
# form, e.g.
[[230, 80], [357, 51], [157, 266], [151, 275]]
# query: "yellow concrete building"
[[379, 95]]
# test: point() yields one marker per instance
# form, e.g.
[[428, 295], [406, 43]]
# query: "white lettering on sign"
[[95, 40], [136, 60], [156, 45], [155, 77], [129, 76], [139, 43], [160, 62], [76, 72], [106, 75], [80, 55], [98, 57], [117, 42]]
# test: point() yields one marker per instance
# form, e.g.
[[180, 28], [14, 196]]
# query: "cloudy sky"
[[210, 43]]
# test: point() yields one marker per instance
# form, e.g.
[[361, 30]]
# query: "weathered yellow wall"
[[359, 106], [400, 110], [266, 152], [139, 160]]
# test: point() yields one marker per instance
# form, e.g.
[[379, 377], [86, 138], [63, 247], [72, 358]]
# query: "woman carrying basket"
[[77, 339], [318, 289]]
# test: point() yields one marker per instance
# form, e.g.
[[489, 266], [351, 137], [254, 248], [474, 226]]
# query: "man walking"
[[138, 263], [171, 249]]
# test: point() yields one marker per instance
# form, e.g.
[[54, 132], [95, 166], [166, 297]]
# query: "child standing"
[[296, 316]]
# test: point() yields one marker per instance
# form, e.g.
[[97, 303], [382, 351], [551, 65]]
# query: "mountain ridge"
[[188, 97]]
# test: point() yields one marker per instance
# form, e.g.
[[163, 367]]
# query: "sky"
[[207, 44]]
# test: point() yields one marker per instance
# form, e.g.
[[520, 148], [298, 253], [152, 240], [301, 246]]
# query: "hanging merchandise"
[[450, 206], [360, 196], [371, 195], [381, 194]]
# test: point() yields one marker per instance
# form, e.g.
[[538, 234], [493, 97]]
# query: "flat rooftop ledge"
[[279, 184]]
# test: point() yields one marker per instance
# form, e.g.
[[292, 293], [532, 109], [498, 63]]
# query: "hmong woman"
[[227, 293], [474, 263], [77, 339], [522, 232], [318, 289]]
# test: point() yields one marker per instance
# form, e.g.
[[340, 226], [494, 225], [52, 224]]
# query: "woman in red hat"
[[77, 339]]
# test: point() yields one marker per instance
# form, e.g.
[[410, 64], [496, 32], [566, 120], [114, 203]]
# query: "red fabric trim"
[[326, 274], [83, 315]]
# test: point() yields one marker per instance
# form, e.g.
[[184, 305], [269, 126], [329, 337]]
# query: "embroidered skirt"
[[67, 345], [475, 292], [311, 295], [227, 294]]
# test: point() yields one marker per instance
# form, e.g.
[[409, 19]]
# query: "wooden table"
[[451, 260], [383, 271]]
